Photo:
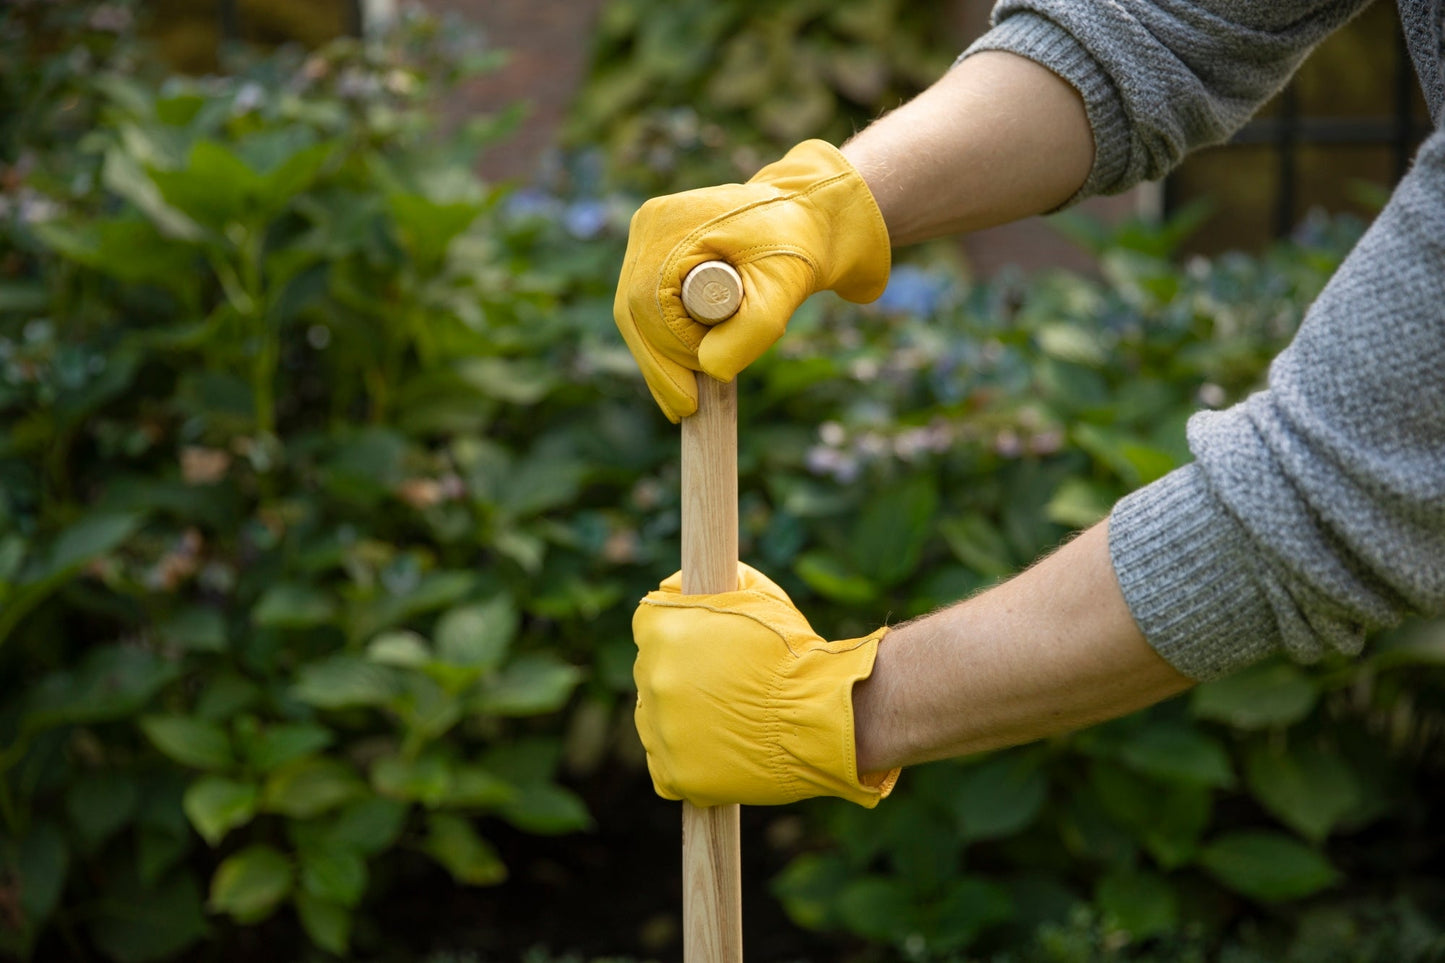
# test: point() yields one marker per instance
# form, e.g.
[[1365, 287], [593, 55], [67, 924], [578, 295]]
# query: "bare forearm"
[[1052, 650], [997, 138]]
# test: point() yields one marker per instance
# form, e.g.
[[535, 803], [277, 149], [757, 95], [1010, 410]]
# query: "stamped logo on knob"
[[717, 293], [712, 292]]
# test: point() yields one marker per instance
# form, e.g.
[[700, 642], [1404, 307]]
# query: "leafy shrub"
[[289, 418], [1019, 412], [327, 487], [686, 93]]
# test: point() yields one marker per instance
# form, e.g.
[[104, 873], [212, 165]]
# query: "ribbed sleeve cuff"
[[1188, 577], [1050, 45]]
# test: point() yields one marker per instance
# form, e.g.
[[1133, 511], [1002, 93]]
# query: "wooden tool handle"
[[711, 873]]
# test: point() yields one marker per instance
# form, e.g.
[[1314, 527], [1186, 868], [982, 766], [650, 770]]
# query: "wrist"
[[878, 746], [853, 253]]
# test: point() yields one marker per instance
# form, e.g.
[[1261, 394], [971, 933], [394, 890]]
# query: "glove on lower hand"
[[803, 224], [740, 701]]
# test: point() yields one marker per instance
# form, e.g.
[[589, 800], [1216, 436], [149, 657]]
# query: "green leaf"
[[334, 874], [878, 907], [530, 685], [1266, 866], [366, 464], [1177, 753], [512, 380], [808, 888], [250, 884], [134, 923], [212, 188], [830, 577], [310, 786], [427, 710], [426, 228], [470, 859], [41, 862], [100, 803], [293, 175], [546, 809], [111, 681], [1308, 790], [895, 525], [293, 606], [999, 796], [216, 805], [328, 924], [474, 786], [1134, 462], [92, 536], [1078, 503], [524, 761], [545, 480], [436, 590], [1072, 343], [403, 649], [978, 544], [968, 907], [1259, 697], [227, 694], [477, 635], [125, 176], [1167, 820], [196, 628], [369, 826], [1141, 904], [426, 779], [277, 745], [158, 851], [343, 682], [1419, 642], [190, 741]]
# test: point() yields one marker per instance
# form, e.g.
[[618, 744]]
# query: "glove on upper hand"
[[803, 224], [740, 701]]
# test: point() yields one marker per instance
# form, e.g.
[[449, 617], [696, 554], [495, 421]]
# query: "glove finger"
[[658, 785], [751, 580], [673, 386], [773, 287]]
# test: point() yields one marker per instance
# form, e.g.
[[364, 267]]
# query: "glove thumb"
[[771, 288]]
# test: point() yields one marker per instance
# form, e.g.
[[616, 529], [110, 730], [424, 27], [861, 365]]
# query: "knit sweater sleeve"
[[1162, 77], [1314, 511]]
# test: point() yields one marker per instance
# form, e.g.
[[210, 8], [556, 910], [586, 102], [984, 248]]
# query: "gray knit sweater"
[[1314, 511]]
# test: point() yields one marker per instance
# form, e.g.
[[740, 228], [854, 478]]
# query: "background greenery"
[[326, 489]]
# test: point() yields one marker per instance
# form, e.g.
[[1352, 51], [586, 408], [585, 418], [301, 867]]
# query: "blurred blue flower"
[[585, 220], [912, 290], [531, 202]]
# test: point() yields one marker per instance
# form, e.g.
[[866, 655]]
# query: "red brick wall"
[[547, 42]]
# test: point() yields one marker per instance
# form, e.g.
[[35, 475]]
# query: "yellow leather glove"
[[803, 224], [740, 701]]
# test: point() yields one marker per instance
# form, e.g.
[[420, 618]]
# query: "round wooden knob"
[[712, 292]]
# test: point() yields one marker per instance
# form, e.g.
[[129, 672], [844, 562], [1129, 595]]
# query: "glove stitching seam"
[[687, 247], [783, 637], [774, 729]]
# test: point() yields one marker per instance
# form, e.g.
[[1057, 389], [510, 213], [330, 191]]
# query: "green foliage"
[[278, 485], [680, 94], [327, 485], [1013, 413]]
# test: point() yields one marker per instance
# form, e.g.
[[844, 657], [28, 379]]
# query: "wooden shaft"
[[711, 860]]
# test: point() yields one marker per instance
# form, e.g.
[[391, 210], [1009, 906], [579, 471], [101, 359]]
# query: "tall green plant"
[[266, 526]]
